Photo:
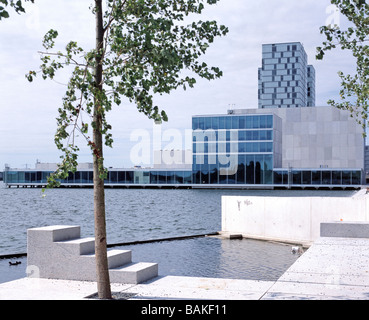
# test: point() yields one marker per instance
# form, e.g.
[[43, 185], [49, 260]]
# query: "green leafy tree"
[[354, 91], [16, 5], [142, 49]]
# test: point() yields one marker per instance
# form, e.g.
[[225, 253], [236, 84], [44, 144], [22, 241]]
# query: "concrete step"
[[77, 246], [134, 273], [51, 234], [118, 258], [85, 265]]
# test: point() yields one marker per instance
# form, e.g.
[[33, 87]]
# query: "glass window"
[[187, 177], [33, 176], [263, 147], [45, 175], [170, 177], [235, 122], [223, 178], [250, 169], [215, 123], [153, 177], [38, 176], [316, 177], [296, 177], [255, 147], [249, 147], [222, 135], [306, 177], [356, 177], [228, 122], [213, 168], [269, 121], [336, 177], [269, 147], [195, 123], [278, 177], [113, 176], [269, 135], [201, 124], [242, 122], [255, 122], [241, 170], [77, 177], [242, 147], [259, 169], [346, 177], [205, 173], [255, 135], [326, 177], [207, 123], [268, 169], [129, 177], [263, 123], [248, 135], [196, 175], [263, 135], [162, 177], [249, 122], [178, 177], [84, 176], [231, 176], [222, 123]]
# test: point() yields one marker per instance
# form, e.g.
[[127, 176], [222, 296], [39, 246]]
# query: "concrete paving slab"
[[341, 241], [162, 288], [173, 287], [50, 289], [294, 290], [326, 278]]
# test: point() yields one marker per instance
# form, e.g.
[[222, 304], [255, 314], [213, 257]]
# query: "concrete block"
[[54, 233], [118, 258], [57, 252], [134, 273], [78, 246], [343, 229]]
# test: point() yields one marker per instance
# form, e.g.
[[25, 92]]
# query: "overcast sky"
[[28, 110]]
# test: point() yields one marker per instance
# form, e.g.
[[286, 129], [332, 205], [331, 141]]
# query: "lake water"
[[143, 214]]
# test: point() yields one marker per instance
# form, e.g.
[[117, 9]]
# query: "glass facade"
[[232, 149], [252, 170], [115, 177], [317, 177], [285, 79]]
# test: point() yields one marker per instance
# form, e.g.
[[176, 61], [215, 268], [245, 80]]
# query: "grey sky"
[[28, 110]]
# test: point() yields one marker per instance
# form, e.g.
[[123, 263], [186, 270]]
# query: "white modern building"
[[320, 137]]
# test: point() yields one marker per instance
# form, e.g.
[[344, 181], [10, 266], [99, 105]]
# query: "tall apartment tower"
[[285, 78]]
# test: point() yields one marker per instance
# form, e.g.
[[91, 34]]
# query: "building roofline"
[[275, 43]]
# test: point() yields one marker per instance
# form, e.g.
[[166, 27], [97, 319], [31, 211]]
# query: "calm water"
[[142, 214]]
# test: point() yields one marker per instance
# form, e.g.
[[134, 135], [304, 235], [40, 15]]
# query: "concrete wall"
[[318, 136], [289, 219]]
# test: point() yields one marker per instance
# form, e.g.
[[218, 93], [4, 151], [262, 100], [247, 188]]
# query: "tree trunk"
[[102, 270]]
